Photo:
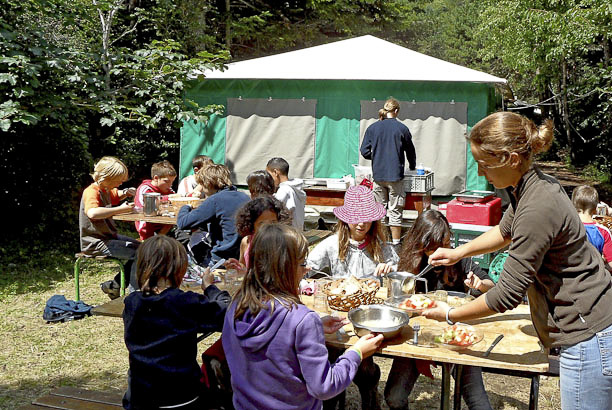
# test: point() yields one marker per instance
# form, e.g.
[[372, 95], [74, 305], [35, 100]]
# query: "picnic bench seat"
[[76, 398]]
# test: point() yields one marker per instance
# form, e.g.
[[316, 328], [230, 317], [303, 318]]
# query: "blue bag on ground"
[[59, 309]]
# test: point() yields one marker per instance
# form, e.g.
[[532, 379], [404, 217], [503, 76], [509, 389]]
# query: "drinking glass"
[[231, 281], [319, 303], [441, 295]]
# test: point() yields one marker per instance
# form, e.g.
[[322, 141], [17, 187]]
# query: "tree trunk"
[[228, 29], [565, 110]]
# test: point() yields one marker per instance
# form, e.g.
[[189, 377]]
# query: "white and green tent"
[[312, 107]]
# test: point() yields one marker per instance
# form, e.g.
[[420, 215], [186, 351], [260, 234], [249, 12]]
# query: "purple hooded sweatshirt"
[[279, 360]]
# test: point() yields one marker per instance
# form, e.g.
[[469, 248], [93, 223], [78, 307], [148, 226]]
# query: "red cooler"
[[474, 213]]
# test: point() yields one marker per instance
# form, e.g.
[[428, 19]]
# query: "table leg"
[[445, 396], [457, 395], [534, 392]]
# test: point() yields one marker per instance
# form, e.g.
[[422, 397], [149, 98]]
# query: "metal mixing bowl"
[[390, 321]]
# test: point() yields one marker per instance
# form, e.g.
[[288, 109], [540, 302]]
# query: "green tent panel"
[[337, 115]]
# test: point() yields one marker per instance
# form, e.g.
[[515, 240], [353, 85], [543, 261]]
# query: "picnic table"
[[313, 235], [139, 216], [519, 353]]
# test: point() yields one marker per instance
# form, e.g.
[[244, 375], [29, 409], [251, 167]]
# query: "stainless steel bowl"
[[388, 321]]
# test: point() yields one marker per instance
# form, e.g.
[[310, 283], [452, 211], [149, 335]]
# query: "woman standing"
[[385, 143], [550, 260]]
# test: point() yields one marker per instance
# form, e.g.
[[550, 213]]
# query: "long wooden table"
[[518, 353], [139, 216], [313, 235]]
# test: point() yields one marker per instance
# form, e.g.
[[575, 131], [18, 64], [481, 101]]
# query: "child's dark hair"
[[279, 164], [430, 231], [274, 269], [585, 199], [249, 212], [160, 259], [199, 161], [260, 183], [163, 169]]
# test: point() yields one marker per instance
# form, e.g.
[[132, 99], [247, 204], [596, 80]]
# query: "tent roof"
[[359, 58]]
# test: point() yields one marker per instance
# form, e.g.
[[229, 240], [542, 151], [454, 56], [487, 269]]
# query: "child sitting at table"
[[585, 199], [188, 185], [275, 346], [431, 231], [358, 248], [251, 216], [163, 175], [161, 323], [216, 215], [289, 191], [97, 231], [260, 183]]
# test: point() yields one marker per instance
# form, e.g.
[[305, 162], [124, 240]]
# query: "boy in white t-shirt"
[[188, 185], [289, 191]]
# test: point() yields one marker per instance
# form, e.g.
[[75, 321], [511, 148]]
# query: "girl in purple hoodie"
[[275, 346]]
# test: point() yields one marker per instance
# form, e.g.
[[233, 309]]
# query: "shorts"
[[393, 197]]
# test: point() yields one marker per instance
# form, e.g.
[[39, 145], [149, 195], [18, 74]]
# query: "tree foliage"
[[84, 78]]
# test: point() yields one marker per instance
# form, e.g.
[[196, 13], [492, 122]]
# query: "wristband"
[[448, 320]]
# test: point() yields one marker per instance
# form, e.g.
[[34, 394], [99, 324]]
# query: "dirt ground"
[[570, 179]]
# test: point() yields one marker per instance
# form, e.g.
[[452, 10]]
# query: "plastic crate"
[[463, 233], [418, 183]]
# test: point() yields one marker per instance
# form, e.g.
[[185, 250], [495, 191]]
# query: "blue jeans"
[[404, 374], [124, 247], [586, 373]]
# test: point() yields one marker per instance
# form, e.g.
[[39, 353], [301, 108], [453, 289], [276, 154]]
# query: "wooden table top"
[[139, 216], [518, 350]]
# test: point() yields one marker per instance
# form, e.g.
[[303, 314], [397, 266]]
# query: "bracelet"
[[448, 320]]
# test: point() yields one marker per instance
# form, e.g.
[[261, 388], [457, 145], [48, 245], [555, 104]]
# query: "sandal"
[[111, 288]]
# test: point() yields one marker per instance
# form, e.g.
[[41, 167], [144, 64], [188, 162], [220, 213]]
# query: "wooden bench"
[[77, 398]]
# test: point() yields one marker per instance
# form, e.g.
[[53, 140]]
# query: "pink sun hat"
[[359, 206]]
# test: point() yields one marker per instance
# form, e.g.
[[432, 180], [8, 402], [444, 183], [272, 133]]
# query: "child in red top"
[[163, 175], [585, 200]]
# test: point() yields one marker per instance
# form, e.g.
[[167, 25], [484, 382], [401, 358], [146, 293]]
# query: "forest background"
[[80, 79]]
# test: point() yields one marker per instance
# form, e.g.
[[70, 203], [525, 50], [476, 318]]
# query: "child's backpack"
[[59, 309]]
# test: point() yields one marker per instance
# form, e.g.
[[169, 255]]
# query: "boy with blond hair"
[[163, 175], [97, 231], [585, 199]]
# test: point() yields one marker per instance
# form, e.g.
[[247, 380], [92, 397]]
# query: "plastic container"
[[476, 213], [463, 233], [418, 183]]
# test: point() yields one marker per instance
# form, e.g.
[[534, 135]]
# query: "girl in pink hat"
[[359, 246]]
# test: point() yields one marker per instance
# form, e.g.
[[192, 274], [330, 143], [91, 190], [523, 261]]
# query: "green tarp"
[[337, 115]]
